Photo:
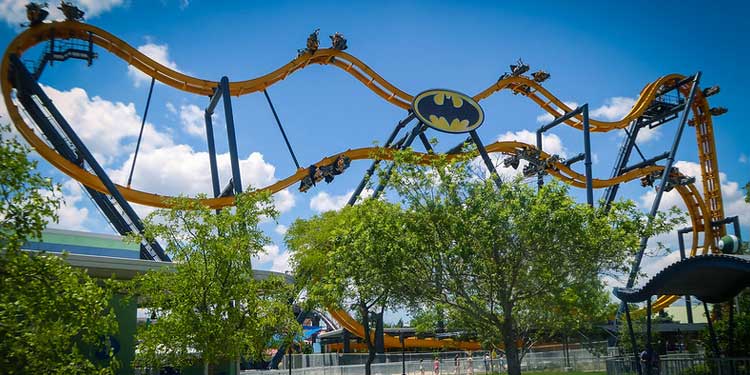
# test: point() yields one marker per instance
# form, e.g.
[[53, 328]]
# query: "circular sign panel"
[[448, 111]]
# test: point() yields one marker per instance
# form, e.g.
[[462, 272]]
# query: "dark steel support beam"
[[418, 129], [711, 331], [283, 133], [212, 153], [140, 134], [587, 152], [665, 177], [555, 122], [486, 158], [231, 137], [83, 150], [426, 143], [575, 159], [645, 163], [649, 347], [371, 170], [540, 174], [632, 339], [681, 242]]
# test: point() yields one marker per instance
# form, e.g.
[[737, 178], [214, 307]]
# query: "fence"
[[682, 365]]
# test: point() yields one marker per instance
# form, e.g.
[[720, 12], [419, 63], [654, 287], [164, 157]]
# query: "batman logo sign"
[[448, 111]]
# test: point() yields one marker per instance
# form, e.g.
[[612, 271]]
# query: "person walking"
[[421, 367], [436, 366], [470, 365], [456, 366], [486, 363]]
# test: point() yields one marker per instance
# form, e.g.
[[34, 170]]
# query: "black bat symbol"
[[453, 116]]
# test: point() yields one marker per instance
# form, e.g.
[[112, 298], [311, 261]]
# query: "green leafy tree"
[[515, 263], [352, 256], [52, 317], [747, 192], [210, 309]]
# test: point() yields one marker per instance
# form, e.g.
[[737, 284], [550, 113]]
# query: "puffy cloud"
[[159, 53], [274, 257], [743, 158], [323, 201], [613, 109], [193, 120], [69, 215], [178, 169], [14, 11], [281, 229], [105, 127]]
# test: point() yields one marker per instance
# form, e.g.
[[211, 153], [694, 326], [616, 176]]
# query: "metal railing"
[[685, 365]]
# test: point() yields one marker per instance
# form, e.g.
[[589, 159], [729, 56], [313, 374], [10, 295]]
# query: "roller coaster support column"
[[584, 112], [210, 140], [25, 78], [587, 152], [371, 170], [681, 242], [487, 161], [417, 130], [664, 177], [632, 339], [236, 177]]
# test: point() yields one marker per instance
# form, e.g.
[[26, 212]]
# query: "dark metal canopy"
[[711, 278]]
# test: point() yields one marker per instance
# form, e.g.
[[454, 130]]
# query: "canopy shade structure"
[[711, 278]]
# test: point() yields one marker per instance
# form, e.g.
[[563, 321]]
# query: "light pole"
[[403, 352]]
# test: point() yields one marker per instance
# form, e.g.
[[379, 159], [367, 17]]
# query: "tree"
[[517, 264], [747, 192], [351, 256], [52, 317], [209, 307]]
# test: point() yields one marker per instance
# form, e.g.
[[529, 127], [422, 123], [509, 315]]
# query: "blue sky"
[[601, 53]]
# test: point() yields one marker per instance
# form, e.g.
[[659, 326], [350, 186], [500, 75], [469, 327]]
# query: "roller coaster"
[[670, 97]]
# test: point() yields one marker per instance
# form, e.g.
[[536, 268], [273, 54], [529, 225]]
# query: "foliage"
[[517, 264], [351, 256], [741, 332], [747, 192], [52, 317], [639, 330], [27, 200], [209, 307]]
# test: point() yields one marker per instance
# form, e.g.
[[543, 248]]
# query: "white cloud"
[[193, 120], [323, 201], [159, 53], [14, 11], [281, 263], [70, 216], [270, 252], [109, 129], [743, 158], [281, 229], [171, 108], [614, 109], [278, 259]]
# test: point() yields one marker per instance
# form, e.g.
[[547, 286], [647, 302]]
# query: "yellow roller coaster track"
[[701, 212]]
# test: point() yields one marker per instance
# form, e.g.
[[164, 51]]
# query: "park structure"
[[673, 97]]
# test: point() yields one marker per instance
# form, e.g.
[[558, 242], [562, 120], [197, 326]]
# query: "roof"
[[711, 278]]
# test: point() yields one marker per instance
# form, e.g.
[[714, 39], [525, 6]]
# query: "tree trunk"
[[205, 367], [368, 337], [510, 340]]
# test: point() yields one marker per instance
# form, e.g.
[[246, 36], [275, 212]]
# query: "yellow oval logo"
[[448, 111]]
